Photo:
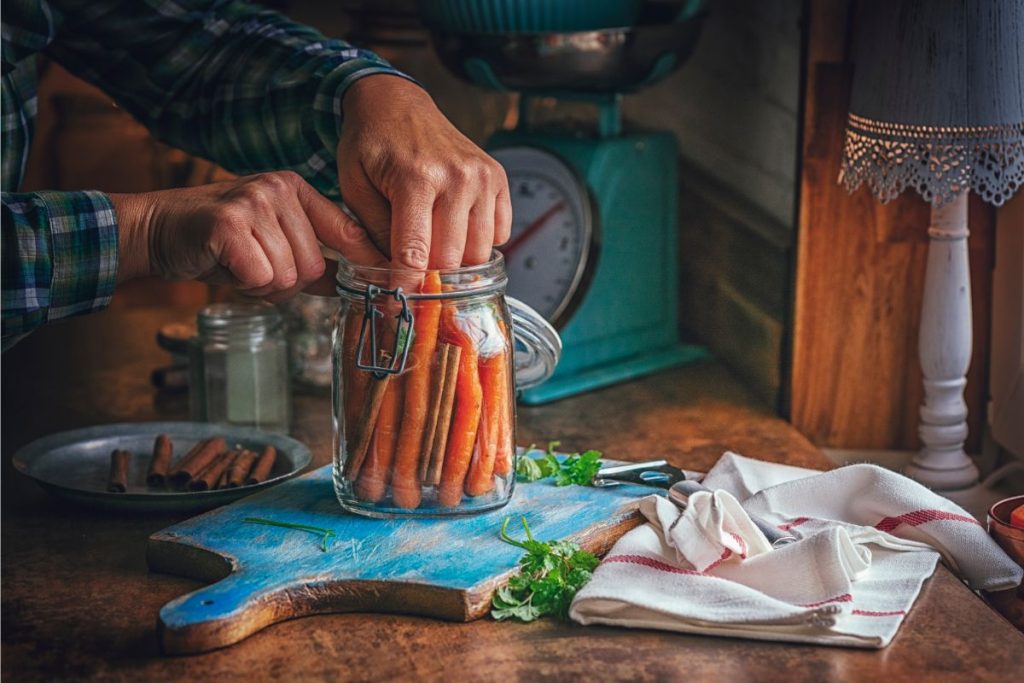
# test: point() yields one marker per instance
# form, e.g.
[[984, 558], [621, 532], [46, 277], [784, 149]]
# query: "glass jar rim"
[[490, 276], [252, 316], [496, 262]]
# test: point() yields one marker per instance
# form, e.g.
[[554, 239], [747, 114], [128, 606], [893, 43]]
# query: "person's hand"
[[427, 195], [258, 233]]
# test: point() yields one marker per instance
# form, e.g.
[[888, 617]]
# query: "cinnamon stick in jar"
[[364, 427], [434, 408], [444, 417], [198, 459], [163, 451], [119, 462], [265, 463]]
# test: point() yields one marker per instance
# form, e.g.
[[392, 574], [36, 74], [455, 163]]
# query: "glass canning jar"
[[426, 367], [238, 365]]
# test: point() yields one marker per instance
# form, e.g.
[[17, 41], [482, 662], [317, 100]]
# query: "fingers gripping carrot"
[[405, 481]]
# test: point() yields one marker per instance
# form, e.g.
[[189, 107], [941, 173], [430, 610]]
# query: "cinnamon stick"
[[222, 481], [119, 471], [434, 409], [163, 451], [364, 428], [198, 459], [444, 419], [261, 470], [207, 479], [240, 468]]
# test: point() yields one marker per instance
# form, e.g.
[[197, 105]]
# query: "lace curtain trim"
[[940, 162]]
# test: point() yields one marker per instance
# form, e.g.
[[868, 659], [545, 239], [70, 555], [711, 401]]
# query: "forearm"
[[134, 215]]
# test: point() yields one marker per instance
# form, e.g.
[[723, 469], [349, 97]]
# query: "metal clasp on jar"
[[395, 359]]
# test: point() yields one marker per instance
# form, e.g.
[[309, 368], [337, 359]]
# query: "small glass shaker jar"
[[426, 367], [239, 367], [309, 320]]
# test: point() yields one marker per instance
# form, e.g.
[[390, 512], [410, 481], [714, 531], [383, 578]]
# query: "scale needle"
[[532, 228]]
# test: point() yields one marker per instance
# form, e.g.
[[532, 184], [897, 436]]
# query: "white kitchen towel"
[[867, 540]]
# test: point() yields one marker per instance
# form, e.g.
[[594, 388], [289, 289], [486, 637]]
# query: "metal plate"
[[75, 465]]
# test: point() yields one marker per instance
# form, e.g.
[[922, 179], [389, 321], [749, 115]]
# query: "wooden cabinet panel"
[[855, 380]]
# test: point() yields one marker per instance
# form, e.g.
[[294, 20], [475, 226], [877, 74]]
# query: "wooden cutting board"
[[445, 568]]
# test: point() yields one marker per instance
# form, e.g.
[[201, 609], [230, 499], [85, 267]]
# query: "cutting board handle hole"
[[206, 602]]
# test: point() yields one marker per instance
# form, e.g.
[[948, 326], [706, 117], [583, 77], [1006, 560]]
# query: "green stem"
[[325, 533]]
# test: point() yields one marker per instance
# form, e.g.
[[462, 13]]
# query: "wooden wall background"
[[855, 381]]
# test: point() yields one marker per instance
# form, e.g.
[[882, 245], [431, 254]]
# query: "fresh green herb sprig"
[[325, 534], [549, 576], [577, 469]]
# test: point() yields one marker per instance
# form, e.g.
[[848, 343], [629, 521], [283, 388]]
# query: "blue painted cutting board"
[[446, 568]]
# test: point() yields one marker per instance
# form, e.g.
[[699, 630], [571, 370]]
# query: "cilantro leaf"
[[550, 574], [577, 469]]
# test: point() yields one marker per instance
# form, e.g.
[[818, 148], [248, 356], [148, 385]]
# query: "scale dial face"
[[552, 231]]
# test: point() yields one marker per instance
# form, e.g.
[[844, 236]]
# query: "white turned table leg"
[[945, 351]]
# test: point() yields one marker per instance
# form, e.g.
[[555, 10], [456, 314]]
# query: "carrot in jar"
[[376, 471], [405, 480], [466, 416], [504, 411], [481, 470]]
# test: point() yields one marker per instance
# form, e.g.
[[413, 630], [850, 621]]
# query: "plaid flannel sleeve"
[[222, 79], [59, 257]]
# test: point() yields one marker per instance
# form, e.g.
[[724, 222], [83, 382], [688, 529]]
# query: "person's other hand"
[[427, 195], [258, 233]]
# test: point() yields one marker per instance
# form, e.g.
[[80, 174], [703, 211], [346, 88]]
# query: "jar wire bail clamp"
[[399, 354]]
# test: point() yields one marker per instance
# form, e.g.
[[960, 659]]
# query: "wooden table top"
[[78, 602]]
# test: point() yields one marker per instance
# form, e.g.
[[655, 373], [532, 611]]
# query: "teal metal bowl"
[[527, 16]]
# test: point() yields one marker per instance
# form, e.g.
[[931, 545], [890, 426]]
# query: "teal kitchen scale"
[[594, 244]]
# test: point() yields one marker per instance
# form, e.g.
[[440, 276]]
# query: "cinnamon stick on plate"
[[119, 461], [207, 479], [240, 468], [197, 459], [222, 481], [261, 470], [163, 451], [444, 419]]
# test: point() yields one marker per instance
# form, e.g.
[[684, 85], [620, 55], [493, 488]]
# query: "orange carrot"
[[466, 418], [481, 470], [405, 481], [376, 470], [503, 409]]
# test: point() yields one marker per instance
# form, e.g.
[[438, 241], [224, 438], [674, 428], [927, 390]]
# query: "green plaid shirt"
[[222, 79]]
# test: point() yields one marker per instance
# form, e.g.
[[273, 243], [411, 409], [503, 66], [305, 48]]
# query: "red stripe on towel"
[[796, 522], [726, 554], [742, 544], [845, 597], [919, 517]]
